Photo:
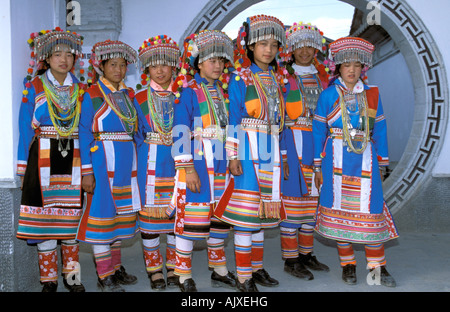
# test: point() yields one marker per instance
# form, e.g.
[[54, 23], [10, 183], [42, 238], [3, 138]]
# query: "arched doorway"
[[429, 83]]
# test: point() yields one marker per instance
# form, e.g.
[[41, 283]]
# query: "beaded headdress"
[[205, 45], [263, 27], [254, 29], [301, 35], [109, 49], [159, 50], [46, 42], [208, 44], [351, 49]]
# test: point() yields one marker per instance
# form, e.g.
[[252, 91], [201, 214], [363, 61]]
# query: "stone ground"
[[419, 262]]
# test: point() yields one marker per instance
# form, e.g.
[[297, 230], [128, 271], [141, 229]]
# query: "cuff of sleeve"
[[383, 161], [87, 170], [284, 155], [231, 146], [183, 161], [317, 162], [21, 168]]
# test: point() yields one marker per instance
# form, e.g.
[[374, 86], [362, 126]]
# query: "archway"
[[429, 81]]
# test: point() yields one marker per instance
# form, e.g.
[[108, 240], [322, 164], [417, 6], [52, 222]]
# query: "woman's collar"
[[157, 87], [68, 81], [255, 68], [304, 70], [110, 86], [358, 88]]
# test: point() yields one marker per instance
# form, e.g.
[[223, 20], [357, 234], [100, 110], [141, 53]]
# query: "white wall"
[[393, 78], [17, 21], [144, 19]]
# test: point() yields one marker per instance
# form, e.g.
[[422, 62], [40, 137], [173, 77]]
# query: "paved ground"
[[419, 262]]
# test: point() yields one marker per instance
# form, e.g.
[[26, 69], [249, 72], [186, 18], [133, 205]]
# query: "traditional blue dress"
[[351, 207]]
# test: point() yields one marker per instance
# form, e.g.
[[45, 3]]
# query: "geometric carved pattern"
[[434, 118], [401, 185]]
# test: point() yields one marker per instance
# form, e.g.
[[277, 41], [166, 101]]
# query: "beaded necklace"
[[157, 111], [311, 89], [347, 128], [129, 122], [218, 113], [272, 100], [58, 104]]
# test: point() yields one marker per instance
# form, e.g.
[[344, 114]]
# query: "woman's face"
[[264, 52], [350, 72], [212, 68], [61, 62], [161, 74], [304, 56], [114, 69]]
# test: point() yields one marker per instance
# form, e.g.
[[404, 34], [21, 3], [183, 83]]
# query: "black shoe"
[[247, 286], [188, 286], [49, 286], [124, 278], [263, 278], [297, 269], [74, 287], [110, 284], [228, 280], [172, 281], [157, 284], [349, 274], [311, 262], [386, 279]]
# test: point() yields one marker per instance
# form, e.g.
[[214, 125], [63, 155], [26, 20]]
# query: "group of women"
[[222, 138]]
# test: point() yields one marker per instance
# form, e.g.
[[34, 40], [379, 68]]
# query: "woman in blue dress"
[[108, 125], [350, 150]]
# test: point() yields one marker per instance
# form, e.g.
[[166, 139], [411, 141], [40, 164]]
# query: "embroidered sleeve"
[[236, 91], [182, 124], [379, 136], [320, 128], [26, 131], [86, 137]]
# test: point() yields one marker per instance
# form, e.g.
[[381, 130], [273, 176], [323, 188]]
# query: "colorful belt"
[[337, 133], [159, 138], [301, 122], [254, 124], [112, 136], [50, 132], [209, 133]]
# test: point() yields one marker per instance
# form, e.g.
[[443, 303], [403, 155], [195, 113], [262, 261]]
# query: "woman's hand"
[[88, 183], [192, 180], [318, 179], [286, 170], [235, 167]]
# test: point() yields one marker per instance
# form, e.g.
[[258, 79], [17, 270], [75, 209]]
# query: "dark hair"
[[197, 69]]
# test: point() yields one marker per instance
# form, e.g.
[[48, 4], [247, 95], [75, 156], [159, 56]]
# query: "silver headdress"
[[109, 49], [304, 35], [45, 43], [263, 27], [208, 44], [351, 49], [159, 50]]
